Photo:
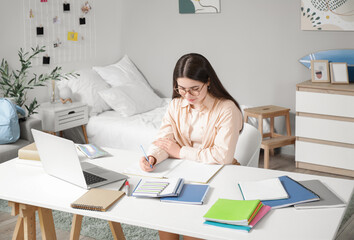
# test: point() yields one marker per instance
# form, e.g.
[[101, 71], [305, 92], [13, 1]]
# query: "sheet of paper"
[[193, 171], [161, 169]]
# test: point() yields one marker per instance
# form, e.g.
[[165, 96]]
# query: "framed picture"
[[320, 71], [339, 73]]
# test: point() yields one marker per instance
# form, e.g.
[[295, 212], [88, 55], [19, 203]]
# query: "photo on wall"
[[199, 6]]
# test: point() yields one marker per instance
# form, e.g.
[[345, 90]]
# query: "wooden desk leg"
[[266, 158], [18, 232], [27, 212], [47, 224], [61, 134], [117, 231], [85, 134], [76, 227]]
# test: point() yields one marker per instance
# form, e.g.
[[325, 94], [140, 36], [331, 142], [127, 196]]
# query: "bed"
[[110, 129]]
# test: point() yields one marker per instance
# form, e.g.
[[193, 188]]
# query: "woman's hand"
[[170, 146], [145, 165]]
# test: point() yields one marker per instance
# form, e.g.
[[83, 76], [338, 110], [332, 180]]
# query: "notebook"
[[268, 189], [297, 194], [189, 170], [236, 212], [328, 199], [97, 199], [190, 194], [261, 213], [158, 187]]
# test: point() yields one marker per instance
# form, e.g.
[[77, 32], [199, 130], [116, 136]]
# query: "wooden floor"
[[278, 162]]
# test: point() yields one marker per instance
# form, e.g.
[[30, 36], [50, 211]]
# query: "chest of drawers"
[[325, 127]]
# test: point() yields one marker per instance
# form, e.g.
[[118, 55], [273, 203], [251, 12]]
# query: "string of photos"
[[65, 28]]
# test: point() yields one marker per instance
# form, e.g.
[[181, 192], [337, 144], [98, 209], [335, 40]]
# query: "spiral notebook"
[[97, 199]]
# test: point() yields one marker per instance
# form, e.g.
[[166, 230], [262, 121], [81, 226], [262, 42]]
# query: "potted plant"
[[15, 83]]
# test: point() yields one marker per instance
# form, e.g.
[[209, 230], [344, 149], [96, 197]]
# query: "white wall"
[[254, 46], [108, 36]]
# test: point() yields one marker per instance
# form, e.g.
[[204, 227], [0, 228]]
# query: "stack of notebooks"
[[236, 214], [172, 190], [285, 191], [158, 187]]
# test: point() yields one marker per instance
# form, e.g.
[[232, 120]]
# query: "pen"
[[126, 188], [146, 157]]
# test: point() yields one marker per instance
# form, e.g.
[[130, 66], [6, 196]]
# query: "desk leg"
[[117, 231], [76, 227], [47, 224], [26, 222], [85, 134]]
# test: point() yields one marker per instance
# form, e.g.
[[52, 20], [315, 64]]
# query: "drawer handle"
[[71, 112]]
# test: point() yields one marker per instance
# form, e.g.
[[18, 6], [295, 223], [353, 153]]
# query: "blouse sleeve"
[[165, 131], [224, 143]]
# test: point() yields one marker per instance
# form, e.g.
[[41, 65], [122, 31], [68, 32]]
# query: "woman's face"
[[193, 91]]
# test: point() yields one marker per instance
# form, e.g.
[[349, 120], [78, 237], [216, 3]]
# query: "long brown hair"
[[197, 67]]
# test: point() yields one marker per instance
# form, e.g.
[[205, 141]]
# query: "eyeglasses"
[[194, 91]]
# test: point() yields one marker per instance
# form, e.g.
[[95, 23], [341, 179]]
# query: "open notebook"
[[190, 171]]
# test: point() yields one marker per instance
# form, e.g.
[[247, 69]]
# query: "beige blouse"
[[218, 120]]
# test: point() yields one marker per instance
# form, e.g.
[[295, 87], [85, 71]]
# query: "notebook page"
[[193, 171], [161, 170]]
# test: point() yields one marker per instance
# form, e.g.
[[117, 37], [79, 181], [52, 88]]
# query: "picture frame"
[[339, 73], [320, 71]]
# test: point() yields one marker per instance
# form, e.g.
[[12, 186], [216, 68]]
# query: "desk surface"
[[30, 185]]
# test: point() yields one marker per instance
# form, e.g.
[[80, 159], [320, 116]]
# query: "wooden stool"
[[273, 140]]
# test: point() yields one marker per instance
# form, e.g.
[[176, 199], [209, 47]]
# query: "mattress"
[[110, 129]]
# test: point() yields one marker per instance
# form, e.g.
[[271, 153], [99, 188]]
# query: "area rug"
[[94, 228], [99, 229]]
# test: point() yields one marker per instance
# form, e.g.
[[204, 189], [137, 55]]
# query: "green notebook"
[[237, 212]]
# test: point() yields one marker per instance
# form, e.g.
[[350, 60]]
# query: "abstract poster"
[[199, 6], [327, 15]]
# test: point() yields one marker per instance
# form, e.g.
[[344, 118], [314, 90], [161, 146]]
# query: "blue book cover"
[[190, 194], [297, 194]]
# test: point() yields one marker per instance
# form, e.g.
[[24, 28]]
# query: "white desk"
[[30, 185]]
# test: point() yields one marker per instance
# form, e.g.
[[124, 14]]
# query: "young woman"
[[202, 123]]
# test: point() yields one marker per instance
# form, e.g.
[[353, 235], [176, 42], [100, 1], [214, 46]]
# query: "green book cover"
[[232, 211]]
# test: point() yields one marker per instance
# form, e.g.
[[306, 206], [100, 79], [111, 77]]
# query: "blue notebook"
[[190, 194], [297, 194]]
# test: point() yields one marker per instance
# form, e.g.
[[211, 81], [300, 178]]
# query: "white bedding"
[[110, 129]]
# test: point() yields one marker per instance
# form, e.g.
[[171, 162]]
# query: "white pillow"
[[120, 73], [131, 98], [85, 89]]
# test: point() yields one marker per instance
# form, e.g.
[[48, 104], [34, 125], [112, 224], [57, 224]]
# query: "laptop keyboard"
[[91, 178]]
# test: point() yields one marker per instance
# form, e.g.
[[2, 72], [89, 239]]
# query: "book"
[[158, 187], [29, 152], [268, 189], [97, 199], [91, 150], [236, 212], [191, 171], [190, 194], [261, 213], [328, 199], [297, 194]]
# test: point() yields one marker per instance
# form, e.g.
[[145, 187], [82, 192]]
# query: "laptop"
[[60, 159]]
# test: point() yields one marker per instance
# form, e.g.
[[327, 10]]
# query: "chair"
[[10, 151], [248, 146]]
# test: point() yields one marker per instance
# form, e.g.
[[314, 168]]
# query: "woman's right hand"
[[145, 165]]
